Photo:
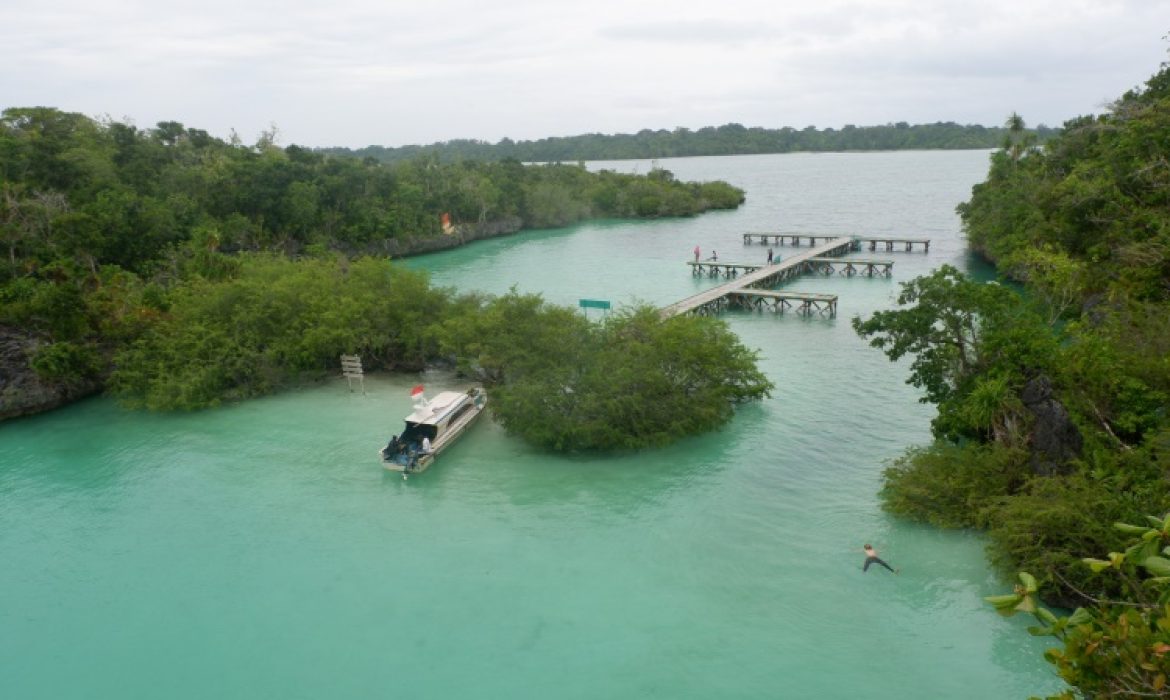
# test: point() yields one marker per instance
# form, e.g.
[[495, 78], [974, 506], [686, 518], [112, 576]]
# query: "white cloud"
[[355, 73]]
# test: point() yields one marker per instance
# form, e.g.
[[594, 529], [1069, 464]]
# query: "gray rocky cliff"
[[22, 392], [1055, 440]]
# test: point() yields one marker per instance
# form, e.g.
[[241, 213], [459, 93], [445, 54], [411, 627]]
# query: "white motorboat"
[[432, 427]]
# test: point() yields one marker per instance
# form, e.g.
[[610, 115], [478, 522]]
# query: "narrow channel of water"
[[260, 551]]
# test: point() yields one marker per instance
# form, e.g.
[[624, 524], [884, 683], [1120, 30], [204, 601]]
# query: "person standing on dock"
[[697, 253], [871, 557], [769, 256]]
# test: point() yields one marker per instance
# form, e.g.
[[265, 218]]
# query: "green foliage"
[[1053, 277], [512, 336], [1111, 649], [1049, 524], [1096, 192], [108, 193], [107, 229], [942, 328], [67, 362], [952, 486], [53, 304], [550, 205], [275, 322], [1083, 224], [559, 381], [974, 346], [720, 195], [1118, 364], [631, 381]]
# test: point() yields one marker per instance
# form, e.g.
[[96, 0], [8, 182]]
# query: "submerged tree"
[[633, 380], [275, 322]]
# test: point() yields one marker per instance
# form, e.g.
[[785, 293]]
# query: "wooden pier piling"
[[874, 243], [711, 268], [778, 302], [850, 266]]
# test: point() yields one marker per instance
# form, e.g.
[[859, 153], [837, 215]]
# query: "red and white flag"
[[416, 391]]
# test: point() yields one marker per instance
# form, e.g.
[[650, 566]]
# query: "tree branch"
[[1105, 425], [1100, 601]]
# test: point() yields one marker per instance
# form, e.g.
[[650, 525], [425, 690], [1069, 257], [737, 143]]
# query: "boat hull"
[[416, 462]]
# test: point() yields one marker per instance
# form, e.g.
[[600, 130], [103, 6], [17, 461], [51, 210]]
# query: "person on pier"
[[769, 256], [696, 253], [714, 256]]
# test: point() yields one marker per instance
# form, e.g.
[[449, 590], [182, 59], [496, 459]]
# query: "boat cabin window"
[[462, 409], [415, 432]]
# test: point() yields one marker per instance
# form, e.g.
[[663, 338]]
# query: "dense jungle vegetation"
[[179, 271], [1052, 427], [729, 139]]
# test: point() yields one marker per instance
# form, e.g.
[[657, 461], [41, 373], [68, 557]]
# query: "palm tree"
[[1018, 140]]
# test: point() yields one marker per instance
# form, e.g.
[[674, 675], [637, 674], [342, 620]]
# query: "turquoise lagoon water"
[[259, 550]]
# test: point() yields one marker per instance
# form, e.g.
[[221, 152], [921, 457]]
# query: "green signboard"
[[594, 304]]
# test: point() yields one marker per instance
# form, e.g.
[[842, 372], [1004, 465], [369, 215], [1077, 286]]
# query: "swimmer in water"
[[871, 557]]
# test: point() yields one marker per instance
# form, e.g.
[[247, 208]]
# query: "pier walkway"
[[888, 243], [715, 299]]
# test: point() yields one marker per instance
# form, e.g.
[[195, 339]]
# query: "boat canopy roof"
[[438, 408]]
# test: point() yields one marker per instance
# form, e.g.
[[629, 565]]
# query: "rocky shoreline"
[[24, 393], [461, 234]]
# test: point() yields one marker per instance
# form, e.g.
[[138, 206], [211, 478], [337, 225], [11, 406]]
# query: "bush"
[[276, 321], [952, 486], [1050, 526], [631, 381], [66, 362]]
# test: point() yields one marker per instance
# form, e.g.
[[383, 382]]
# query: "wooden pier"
[[794, 239], [890, 243], [850, 266], [711, 268], [714, 300], [778, 302], [874, 243]]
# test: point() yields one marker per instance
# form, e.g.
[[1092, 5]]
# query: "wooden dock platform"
[[713, 300], [887, 243], [794, 239], [778, 302], [850, 266], [711, 268]]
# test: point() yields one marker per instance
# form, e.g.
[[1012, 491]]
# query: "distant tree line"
[[729, 139]]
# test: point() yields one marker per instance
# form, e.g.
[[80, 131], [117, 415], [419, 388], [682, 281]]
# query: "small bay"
[[260, 551]]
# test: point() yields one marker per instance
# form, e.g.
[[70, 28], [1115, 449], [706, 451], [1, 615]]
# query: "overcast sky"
[[360, 72]]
